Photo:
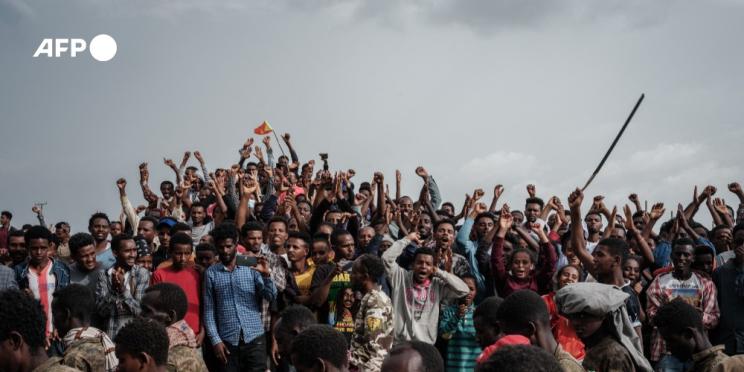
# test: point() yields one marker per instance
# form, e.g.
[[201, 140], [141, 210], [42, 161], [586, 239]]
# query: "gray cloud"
[[478, 92]]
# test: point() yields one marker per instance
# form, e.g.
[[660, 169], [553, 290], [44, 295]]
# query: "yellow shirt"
[[304, 280]]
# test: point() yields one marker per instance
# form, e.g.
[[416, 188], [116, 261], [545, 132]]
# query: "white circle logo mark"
[[102, 47]]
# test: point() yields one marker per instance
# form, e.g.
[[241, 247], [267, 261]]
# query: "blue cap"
[[167, 221]]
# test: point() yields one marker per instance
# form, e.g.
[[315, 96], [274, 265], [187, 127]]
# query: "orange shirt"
[[562, 330]]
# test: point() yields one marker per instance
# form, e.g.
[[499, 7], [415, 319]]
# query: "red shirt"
[[562, 330], [190, 281]]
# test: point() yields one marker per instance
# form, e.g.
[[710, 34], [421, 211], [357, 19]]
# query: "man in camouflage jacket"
[[373, 325]]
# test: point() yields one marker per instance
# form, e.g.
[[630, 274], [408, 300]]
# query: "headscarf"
[[109, 348], [602, 300], [143, 249]]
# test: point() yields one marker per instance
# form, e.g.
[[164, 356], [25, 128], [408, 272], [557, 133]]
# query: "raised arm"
[[126, 205], [547, 259], [717, 220], [216, 188], [463, 235], [425, 200], [720, 209], [39, 214], [245, 151], [398, 178], [292, 152], [646, 253], [203, 165], [611, 222], [149, 196], [525, 235], [498, 261], [465, 208], [247, 187], [498, 190], [431, 185], [685, 224], [549, 206], [697, 200], [230, 194], [184, 161], [578, 242], [636, 202], [378, 180], [172, 165], [657, 211], [735, 188], [391, 254]]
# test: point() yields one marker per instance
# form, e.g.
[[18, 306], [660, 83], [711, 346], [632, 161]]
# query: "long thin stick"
[[620, 134], [278, 143]]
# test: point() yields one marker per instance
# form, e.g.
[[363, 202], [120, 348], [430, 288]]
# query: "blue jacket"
[[468, 248], [60, 271]]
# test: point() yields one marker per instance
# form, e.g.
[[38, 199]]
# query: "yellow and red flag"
[[263, 129]]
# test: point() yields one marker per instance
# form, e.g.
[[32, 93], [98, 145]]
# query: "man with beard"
[[121, 287], [417, 294], [232, 305], [367, 241], [251, 237], [17, 252]]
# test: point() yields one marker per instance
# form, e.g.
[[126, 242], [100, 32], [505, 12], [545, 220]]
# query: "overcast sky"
[[478, 91]]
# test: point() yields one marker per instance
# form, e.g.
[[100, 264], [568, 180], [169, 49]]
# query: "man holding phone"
[[232, 305]]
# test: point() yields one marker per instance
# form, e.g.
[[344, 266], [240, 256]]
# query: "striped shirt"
[[42, 284], [462, 349]]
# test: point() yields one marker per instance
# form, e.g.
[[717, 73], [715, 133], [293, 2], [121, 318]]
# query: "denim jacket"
[[60, 271]]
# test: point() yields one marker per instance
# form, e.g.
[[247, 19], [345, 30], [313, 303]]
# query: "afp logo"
[[102, 48]]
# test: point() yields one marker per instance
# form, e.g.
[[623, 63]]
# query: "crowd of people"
[[276, 265]]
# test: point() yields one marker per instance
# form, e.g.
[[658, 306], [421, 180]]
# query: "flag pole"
[[277, 142]]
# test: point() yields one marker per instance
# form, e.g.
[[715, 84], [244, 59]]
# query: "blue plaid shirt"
[[232, 303]]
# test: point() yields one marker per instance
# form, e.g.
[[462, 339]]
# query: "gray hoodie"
[[409, 322]]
